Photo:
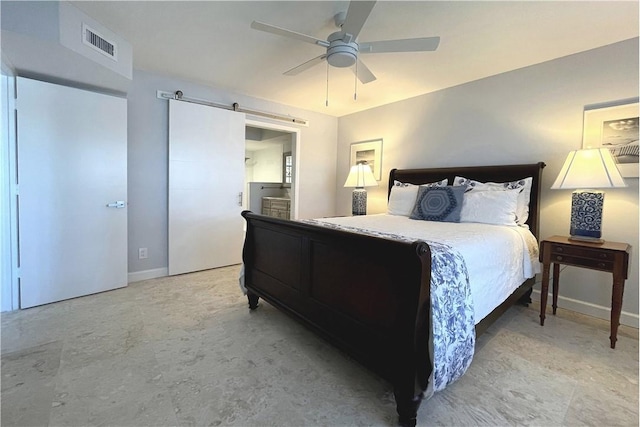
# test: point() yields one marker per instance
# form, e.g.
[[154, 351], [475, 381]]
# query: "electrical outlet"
[[142, 253]]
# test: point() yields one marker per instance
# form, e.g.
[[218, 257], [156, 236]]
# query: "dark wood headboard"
[[481, 173]]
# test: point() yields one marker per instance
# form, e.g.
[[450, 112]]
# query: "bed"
[[369, 293]]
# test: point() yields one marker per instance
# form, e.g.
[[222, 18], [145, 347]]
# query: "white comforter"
[[498, 258]]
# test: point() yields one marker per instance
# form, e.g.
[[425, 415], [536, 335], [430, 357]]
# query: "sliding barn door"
[[206, 179], [72, 164]]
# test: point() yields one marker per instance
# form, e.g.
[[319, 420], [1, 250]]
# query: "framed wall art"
[[370, 152], [615, 127]]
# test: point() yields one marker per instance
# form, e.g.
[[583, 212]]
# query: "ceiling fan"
[[342, 48]]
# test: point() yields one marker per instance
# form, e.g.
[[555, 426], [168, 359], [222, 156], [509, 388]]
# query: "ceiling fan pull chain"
[[326, 100], [355, 84]]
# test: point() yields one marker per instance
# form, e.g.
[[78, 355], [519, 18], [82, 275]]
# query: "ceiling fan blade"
[[423, 44], [305, 66], [364, 74], [256, 25], [357, 15]]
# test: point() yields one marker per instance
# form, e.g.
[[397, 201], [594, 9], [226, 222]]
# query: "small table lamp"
[[589, 168], [360, 176]]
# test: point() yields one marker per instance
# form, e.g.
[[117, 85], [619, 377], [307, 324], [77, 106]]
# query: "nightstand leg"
[[556, 286], [616, 308], [544, 291]]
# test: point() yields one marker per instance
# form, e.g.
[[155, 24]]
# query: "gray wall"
[[42, 39], [527, 115], [148, 159]]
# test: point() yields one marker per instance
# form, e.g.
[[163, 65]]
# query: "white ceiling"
[[211, 42]]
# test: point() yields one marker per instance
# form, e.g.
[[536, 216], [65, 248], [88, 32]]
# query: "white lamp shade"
[[360, 176], [590, 168]]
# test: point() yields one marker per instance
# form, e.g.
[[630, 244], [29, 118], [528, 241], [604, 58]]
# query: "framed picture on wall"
[[615, 127], [370, 152]]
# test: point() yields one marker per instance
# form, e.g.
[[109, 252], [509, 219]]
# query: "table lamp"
[[584, 171], [360, 176]]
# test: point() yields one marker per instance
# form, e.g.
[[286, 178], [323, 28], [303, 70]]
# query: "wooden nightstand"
[[612, 257]]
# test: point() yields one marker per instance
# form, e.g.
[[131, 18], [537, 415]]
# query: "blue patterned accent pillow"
[[403, 196], [439, 203]]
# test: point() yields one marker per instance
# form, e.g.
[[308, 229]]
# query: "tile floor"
[[186, 351]]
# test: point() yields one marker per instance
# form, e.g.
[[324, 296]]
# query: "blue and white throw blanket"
[[453, 326]]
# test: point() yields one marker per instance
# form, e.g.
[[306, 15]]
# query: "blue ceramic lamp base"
[[359, 202], [586, 216]]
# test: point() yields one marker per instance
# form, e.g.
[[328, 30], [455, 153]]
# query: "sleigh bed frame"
[[368, 296]]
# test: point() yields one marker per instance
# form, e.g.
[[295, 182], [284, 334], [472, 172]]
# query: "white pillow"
[[403, 197], [490, 207], [442, 183], [524, 185]]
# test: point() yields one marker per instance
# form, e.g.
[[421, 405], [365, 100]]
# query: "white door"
[[72, 163], [206, 175]]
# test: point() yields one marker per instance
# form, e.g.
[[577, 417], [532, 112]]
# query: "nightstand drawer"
[[581, 252], [582, 262]]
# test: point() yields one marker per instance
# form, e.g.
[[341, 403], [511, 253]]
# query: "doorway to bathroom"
[[270, 169]]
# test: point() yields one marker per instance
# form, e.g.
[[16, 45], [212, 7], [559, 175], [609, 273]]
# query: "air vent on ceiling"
[[96, 41]]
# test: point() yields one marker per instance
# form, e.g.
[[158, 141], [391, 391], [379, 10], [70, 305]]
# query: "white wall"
[[268, 164], [524, 116], [147, 168], [248, 170]]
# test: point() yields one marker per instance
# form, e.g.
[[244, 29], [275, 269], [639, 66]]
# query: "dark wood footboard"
[[366, 295]]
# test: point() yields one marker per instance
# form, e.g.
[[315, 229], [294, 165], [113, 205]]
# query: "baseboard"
[[137, 276], [594, 310]]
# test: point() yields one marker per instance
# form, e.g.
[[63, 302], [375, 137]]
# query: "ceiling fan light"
[[342, 59], [341, 53]]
